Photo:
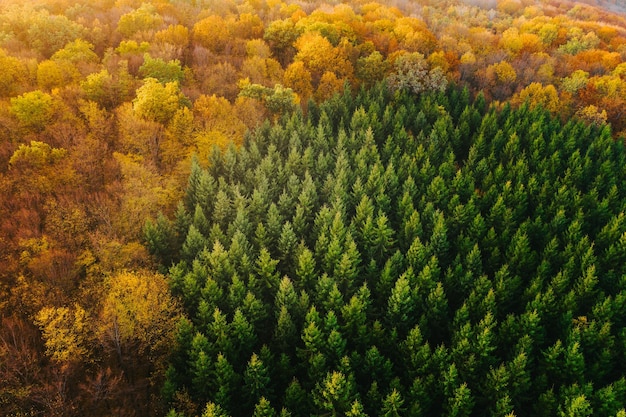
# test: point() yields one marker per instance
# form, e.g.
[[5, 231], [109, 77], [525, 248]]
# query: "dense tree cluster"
[[103, 105], [394, 254]]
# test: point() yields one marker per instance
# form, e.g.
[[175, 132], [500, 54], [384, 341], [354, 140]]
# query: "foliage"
[[34, 109], [158, 102], [139, 314], [165, 72], [278, 100], [106, 108], [463, 267], [412, 72], [143, 19], [64, 330]]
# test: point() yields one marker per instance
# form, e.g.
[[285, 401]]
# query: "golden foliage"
[[298, 78], [536, 94], [138, 314], [65, 332], [157, 102], [212, 33], [592, 114]]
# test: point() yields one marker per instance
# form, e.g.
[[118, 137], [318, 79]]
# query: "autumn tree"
[[141, 22], [536, 94], [164, 71], [12, 74], [298, 78], [138, 317], [158, 102], [212, 33], [412, 72], [34, 109]]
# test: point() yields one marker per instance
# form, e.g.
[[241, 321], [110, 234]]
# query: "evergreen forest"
[[398, 255], [318, 208]]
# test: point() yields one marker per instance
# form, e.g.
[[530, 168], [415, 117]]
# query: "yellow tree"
[[98, 87], [329, 85], [77, 51], [158, 102], [140, 22], [511, 41], [575, 82], [250, 111], [12, 74], [175, 150], [176, 35], [34, 109], [39, 170], [502, 72], [247, 26], [319, 56], [265, 71], [548, 33], [66, 332], [212, 33], [413, 36], [298, 78], [54, 74], [138, 316], [80, 55], [109, 89], [592, 115], [281, 36], [536, 94], [45, 32], [258, 47], [215, 113], [143, 193]]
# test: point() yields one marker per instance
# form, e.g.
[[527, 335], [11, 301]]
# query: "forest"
[[312, 208]]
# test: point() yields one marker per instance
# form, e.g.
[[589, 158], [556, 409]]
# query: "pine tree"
[[263, 409], [226, 381], [285, 334], [356, 410], [267, 274], [214, 410], [256, 382], [401, 305], [392, 405], [161, 239], [461, 403], [296, 399], [334, 395], [201, 366], [243, 335], [194, 244]]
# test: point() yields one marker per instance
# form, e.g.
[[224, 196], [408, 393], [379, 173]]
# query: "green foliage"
[[164, 71], [34, 109], [76, 52], [361, 275], [158, 102], [278, 100], [143, 19]]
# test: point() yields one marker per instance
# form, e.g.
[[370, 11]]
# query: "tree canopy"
[[400, 254]]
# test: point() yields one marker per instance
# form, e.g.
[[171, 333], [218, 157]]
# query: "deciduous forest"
[[214, 208]]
